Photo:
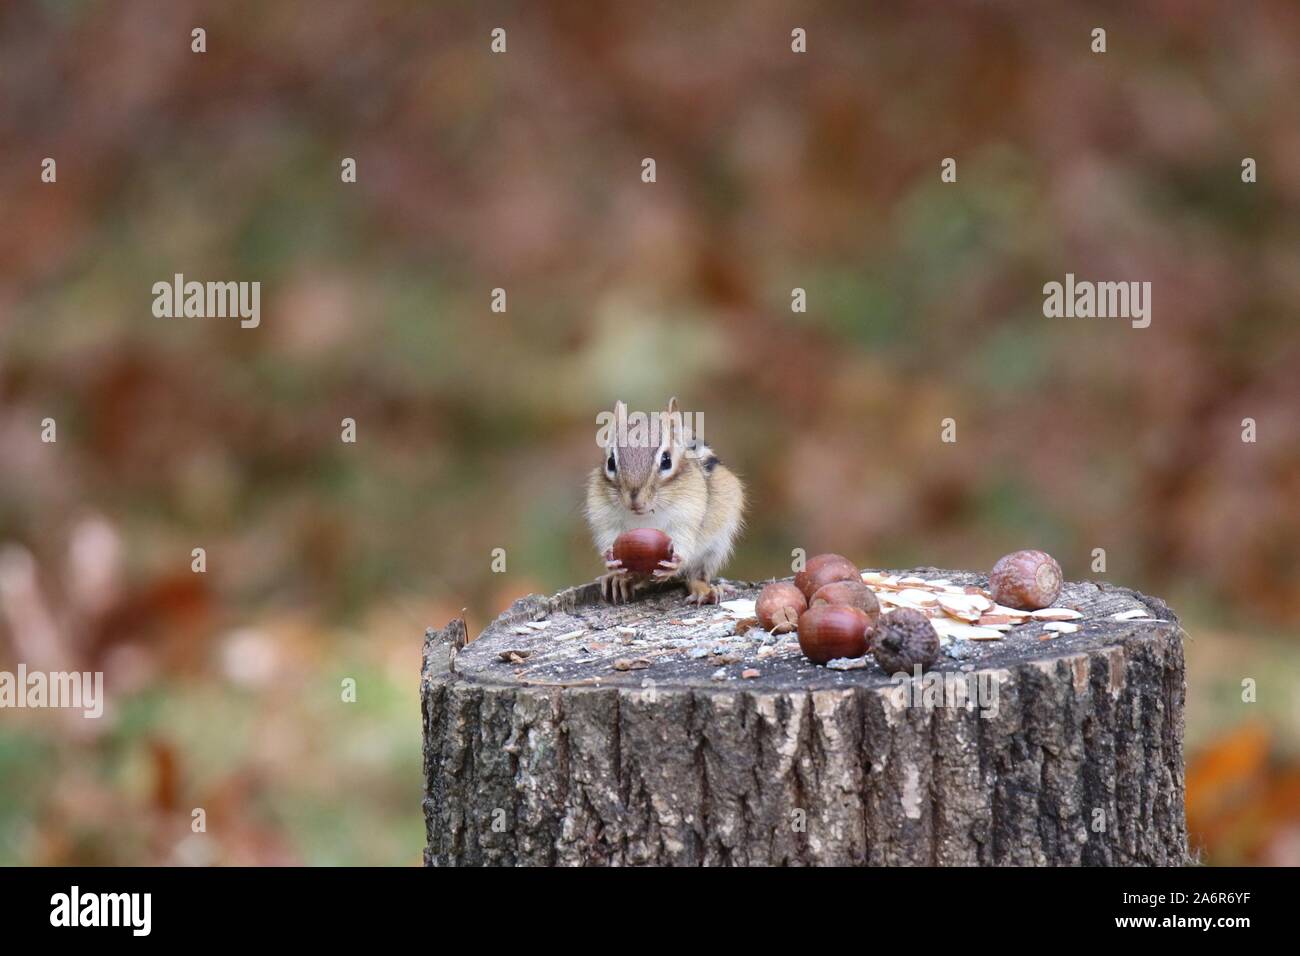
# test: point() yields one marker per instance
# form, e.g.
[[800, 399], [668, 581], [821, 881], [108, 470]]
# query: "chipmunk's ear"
[[672, 419], [618, 425]]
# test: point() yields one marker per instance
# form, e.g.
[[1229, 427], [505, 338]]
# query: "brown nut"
[[904, 639], [827, 632], [641, 549], [1026, 580], [779, 606], [822, 569], [848, 594]]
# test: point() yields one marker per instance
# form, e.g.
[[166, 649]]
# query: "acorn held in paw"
[[827, 632], [778, 607], [641, 549], [822, 569], [1026, 580], [904, 639], [848, 594]]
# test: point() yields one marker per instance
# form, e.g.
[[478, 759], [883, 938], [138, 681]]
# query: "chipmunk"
[[678, 486]]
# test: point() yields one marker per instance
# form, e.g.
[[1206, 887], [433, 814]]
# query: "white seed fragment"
[[959, 630], [741, 608], [1012, 612], [964, 607], [1137, 614], [876, 579], [916, 598], [1056, 614]]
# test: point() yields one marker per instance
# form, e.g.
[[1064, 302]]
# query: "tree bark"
[[628, 735]]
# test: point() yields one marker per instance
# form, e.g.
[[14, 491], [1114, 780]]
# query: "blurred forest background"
[[474, 429]]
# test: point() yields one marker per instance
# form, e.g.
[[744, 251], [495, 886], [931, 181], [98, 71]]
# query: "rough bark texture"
[[541, 748]]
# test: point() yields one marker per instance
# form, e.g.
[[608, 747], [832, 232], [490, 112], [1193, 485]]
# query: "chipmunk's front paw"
[[668, 569], [702, 592], [616, 587]]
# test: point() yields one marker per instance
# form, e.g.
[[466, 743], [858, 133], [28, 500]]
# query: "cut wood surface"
[[576, 732]]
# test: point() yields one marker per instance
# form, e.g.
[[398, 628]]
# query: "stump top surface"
[[662, 641]]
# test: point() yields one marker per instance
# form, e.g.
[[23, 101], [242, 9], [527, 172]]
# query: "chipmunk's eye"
[[609, 465], [665, 461]]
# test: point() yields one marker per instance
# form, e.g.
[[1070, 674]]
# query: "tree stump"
[[572, 732]]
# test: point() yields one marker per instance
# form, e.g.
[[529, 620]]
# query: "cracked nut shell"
[[779, 605], [1026, 580]]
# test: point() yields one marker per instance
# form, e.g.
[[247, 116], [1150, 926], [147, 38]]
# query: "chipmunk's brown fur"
[[679, 487]]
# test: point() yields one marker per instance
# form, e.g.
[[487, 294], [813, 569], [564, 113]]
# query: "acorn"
[[641, 549], [822, 569], [827, 632], [903, 639], [779, 605], [1026, 580], [848, 594]]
